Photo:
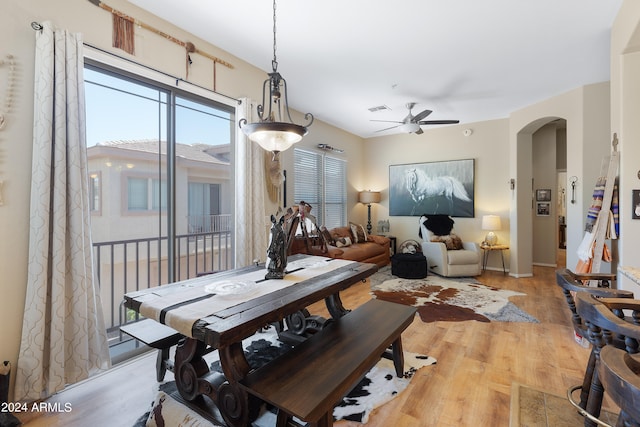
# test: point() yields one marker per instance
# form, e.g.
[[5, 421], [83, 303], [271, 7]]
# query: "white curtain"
[[251, 229], [63, 333]]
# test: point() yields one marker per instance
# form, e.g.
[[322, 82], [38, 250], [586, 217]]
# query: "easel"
[[295, 216], [602, 222]]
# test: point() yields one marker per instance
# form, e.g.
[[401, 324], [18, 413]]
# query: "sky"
[[118, 109]]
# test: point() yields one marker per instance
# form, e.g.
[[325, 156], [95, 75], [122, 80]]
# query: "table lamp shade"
[[491, 223], [368, 197]]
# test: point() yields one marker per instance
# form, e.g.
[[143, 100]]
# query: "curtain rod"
[[189, 46], [38, 27]]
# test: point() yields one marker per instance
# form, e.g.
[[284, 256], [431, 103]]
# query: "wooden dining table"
[[218, 311]]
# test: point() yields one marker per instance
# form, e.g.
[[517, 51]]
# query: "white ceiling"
[[464, 59]]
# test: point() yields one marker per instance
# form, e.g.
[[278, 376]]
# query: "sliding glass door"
[[160, 185]]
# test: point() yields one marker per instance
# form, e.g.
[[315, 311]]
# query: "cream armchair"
[[451, 262]]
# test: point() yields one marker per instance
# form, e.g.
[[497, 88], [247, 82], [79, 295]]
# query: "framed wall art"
[[635, 198], [543, 195], [543, 209], [432, 188]]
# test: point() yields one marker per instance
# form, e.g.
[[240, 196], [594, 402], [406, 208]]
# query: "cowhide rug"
[[449, 299], [378, 387]]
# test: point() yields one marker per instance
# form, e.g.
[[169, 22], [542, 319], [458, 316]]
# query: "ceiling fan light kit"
[[409, 127], [276, 130]]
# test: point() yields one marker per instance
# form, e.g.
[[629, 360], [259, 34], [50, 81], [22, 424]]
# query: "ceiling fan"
[[411, 123]]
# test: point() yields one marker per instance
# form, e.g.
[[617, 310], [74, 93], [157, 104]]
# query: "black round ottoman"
[[409, 266]]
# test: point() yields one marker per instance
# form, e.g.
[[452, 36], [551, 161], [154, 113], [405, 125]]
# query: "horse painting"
[[421, 187], [277, 250]]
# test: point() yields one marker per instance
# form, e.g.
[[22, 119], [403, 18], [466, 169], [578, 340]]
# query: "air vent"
[[379, 108]]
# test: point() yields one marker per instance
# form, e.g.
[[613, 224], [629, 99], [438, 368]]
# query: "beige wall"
[[321, 133], [625, 110], [488, 145], [503, 149], [586, 111]]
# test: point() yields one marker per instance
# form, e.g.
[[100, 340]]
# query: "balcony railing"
[[129, 265], [208, 223]]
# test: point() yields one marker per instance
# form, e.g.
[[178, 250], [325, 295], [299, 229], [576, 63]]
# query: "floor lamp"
[[368, 197]]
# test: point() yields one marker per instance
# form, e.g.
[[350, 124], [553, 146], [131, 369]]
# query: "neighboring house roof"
[[197, 152]]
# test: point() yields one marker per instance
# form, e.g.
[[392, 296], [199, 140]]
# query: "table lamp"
[[368, 197], [491, 223]]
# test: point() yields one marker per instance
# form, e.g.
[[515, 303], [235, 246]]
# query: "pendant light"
[[273, 132]]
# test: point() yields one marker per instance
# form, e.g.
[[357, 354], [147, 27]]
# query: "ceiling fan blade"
[[421, 115], [439, 122], [392, 127], [386, 121]]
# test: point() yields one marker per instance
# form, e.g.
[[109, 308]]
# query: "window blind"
[[335, 190], [320, 180]]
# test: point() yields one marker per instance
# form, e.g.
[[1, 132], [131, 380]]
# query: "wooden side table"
[[392, 243], [488, 249]]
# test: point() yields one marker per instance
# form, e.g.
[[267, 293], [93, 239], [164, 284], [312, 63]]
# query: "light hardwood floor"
[[469, 386]]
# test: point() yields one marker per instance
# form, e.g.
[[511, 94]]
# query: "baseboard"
[[499, 269], [520, 276], [541, 264]]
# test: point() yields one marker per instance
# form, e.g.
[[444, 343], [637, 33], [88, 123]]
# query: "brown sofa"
[[375, 250]]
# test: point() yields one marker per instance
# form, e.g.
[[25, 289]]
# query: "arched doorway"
[[588, 136], [535, 214], [549, 159]]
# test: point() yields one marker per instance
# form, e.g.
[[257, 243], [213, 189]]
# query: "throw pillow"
[[409, 247], [440, 225], [339, 232], [327, 236], [343, 241], [452, 241], [359, 233]]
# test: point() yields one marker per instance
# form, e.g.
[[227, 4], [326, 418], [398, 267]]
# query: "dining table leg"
[[190, 367], [335, 307], [302, 324], [237, 407], [195, 382]]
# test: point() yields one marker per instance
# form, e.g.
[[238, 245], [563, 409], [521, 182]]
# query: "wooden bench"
[[308, 381], [155, 335]]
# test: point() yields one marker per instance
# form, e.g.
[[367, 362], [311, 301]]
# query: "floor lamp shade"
[[491, 223], [368, 197]]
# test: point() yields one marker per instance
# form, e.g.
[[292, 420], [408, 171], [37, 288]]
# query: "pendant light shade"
[[275, 131], [274, 136]]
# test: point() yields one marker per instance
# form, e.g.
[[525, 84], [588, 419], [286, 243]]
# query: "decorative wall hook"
[[573, 181]]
